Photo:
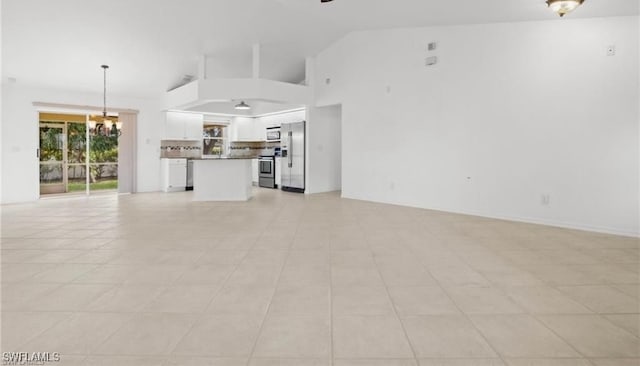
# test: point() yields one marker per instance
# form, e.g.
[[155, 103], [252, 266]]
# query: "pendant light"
[[109, 125], [242, 106], [104, 110], [563, 7]]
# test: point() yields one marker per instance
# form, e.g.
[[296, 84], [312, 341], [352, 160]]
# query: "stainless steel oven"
[[267, 172]]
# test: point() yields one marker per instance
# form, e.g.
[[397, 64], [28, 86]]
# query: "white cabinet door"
[[174, 128], [254, 170], [193, 129], [249, 129], [259, 130], [177, 177], [183, 126], [278, 166], [174, 174], [244, 128]]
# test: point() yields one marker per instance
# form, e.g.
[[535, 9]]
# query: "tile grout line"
[[395, 312], [198, 316], [332, 360], [465, 315], [275, 290], [535, 316], [390, 299]]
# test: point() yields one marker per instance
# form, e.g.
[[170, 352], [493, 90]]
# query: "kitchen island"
[[222, 179]]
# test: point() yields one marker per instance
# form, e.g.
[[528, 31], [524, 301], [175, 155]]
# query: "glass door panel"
[[76, 157], [53, 177], [77, 143], [76, 178], [106, 177], [103, 161]]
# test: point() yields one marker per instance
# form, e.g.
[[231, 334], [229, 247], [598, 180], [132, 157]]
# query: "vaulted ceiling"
[[152, 44]]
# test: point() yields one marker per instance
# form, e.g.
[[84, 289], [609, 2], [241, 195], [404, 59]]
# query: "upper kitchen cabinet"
[[248, 129], [277, 119], [187, 126]]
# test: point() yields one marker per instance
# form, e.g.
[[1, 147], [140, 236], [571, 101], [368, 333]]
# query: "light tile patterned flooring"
[[294, 280]]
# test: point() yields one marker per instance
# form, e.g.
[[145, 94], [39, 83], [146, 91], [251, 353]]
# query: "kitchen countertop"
[[226, 158]]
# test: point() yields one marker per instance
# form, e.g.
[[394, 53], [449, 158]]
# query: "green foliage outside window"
[[103, 149]]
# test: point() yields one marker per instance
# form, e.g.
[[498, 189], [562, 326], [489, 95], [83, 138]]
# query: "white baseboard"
[[529, 220]]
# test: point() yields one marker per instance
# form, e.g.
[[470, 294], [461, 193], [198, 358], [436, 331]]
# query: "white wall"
[[510, 113], [20, 177], [2, 75], [324, 149], [1, 147]]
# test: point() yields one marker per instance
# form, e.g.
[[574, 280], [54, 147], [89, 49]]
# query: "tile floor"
[[294, 280]]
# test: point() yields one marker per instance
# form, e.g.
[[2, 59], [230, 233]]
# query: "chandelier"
[[105, 125]]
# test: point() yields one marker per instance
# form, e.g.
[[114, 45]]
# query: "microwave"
[[273, 134]]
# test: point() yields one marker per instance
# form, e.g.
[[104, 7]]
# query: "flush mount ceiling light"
[[242, 106], [563, 7]]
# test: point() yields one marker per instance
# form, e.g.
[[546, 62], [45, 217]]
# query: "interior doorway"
[[78, 153]]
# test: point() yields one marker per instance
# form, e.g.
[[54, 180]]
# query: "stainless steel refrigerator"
[[292, 142]]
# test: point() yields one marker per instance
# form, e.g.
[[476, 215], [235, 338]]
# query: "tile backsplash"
[[252, 149], [180, 148]]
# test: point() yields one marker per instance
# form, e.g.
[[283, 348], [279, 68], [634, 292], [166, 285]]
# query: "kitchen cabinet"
[[183, 126], [278, 171], [174, 174], [255, 173], [259, 131], [249, 129]]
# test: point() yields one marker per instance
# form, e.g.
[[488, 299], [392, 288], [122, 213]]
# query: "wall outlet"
[[611, 50], [432, 46], [545, 199], [430, 61]]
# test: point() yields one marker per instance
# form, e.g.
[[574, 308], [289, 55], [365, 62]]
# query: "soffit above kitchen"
[[198, 93], [258, 108], [152, 45]]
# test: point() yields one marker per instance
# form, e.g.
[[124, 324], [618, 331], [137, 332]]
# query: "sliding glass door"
[[68, 164]]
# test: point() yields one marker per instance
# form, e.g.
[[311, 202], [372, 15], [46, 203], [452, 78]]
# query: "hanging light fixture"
[[563, 7], [109, 126], [242, 106], [104, 110]]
